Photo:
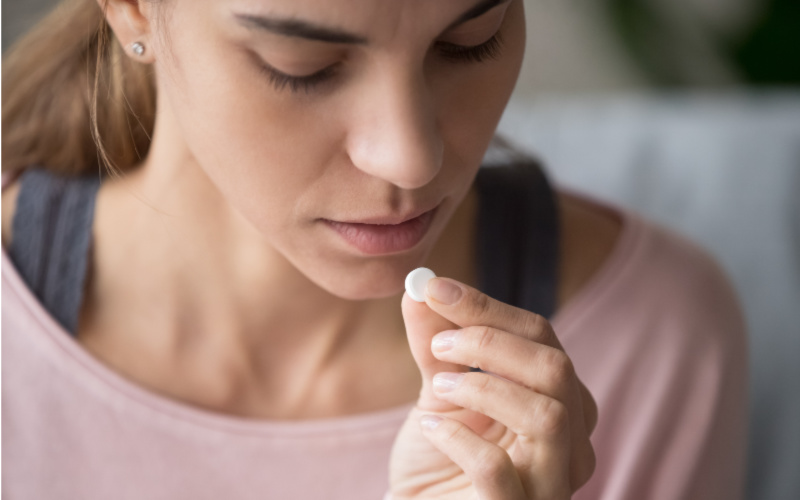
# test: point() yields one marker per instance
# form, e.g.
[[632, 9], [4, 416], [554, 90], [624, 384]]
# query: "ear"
[[131, 21]]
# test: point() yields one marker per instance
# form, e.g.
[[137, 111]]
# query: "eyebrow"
[[304, 29]]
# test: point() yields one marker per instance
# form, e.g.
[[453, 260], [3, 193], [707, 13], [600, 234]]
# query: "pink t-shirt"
[[656, 335]]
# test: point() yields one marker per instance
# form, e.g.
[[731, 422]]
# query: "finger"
[[585, 461], [589, 409], [466, 306], [487, 465], [542, 426], [421, 325], [542, 368], [532, 416]]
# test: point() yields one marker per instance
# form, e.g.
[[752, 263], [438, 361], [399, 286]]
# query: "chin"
[[367, 280]]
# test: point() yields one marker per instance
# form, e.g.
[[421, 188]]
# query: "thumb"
[[422, 323]]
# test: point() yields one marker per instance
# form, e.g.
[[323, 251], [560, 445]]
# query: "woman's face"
[[326, 123]]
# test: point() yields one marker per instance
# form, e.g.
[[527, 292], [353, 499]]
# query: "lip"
[[389, 219], [384, 234]]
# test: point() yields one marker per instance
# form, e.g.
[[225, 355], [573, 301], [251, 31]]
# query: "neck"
[[204, 293]]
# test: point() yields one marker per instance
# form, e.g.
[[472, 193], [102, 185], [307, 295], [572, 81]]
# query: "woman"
[[234, 291]]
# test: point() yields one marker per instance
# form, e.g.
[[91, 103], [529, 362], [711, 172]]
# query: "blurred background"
[[687, 111]]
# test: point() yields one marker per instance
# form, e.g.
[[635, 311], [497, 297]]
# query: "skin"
[[224, 214]]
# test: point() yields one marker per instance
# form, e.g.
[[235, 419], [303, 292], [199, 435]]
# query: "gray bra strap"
[[518, 230], [51, 239]]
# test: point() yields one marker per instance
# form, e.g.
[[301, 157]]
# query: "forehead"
[[377, 21]]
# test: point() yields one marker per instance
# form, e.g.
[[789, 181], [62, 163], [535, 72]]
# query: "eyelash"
[[297, 83], [490, 49]]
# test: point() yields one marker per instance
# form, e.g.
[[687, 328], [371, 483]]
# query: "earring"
[[138, 48]]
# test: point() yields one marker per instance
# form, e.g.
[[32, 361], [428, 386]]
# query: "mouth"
[[386, 234], [388, 220]]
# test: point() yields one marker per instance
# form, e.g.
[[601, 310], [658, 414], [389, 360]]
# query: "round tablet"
[[416, 282]]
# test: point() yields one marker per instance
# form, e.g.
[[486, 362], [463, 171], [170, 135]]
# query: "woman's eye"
[[489, 49], [297, 83]]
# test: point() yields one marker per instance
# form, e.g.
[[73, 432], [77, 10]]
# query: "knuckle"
[[491, 463], [486, 337], [536, 328], [584, 467], [558, 368], [478, 383], [589, 465], [453, 432], [481, 340], [590, 412], [551, 417], [481, 305]]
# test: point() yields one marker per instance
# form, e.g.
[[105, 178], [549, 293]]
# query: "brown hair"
[[72, 99]]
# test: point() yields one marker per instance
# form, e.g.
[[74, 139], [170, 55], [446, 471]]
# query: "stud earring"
[[138, 48]]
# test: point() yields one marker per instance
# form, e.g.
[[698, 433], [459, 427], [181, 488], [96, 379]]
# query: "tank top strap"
[[518, 233], [52, 236]]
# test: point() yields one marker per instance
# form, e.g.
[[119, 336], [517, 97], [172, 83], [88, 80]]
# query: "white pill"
[[416, 281]]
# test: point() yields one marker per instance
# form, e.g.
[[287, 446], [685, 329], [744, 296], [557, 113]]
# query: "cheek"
[[262, 150], [473, 96]]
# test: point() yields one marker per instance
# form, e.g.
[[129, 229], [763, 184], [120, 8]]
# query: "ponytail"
[[72, 99]]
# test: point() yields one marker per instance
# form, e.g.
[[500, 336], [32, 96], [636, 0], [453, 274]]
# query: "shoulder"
[[658, 337], [657, 284], [670, 269]]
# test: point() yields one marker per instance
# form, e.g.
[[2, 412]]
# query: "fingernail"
[[430, 421], [446, 382], [444, 341], [444, 291]]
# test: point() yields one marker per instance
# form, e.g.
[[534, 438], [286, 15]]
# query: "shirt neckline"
[[82, 364], [604, 279]]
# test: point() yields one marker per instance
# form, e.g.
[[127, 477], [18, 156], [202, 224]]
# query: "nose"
[[395, 135]]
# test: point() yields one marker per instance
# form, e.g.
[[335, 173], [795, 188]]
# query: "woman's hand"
[[520, 431]]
